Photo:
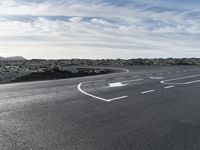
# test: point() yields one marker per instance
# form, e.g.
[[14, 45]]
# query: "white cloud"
[[96, 29]]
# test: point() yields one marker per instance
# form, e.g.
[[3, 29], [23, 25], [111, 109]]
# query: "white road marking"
[[117, 98], [122, 83], [93, 96], [192, 82], [156, 78], [185, 83], [117, 84], [168, 87], [97, 97], [149, 91]]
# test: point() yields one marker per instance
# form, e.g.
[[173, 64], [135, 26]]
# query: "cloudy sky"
[[100, 28]]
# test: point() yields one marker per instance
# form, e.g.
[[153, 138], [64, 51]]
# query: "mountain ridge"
[[12, 58]]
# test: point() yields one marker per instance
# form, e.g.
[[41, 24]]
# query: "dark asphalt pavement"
[[148, 108]]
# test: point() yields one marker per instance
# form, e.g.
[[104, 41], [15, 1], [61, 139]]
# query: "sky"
[[100, 29]]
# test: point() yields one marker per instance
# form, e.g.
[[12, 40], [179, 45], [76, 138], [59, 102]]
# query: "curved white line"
[[93, 96], [97, 97]]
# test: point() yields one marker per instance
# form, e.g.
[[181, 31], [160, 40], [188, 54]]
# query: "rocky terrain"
[[16, 69], [56, 73], [32, 70], [139, 61]]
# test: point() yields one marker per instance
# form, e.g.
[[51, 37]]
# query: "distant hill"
[[14, 58], [2, 58]]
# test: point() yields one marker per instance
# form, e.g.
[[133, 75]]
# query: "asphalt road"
[[148, 108]]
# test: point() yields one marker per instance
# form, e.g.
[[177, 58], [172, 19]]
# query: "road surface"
[[145, 108]]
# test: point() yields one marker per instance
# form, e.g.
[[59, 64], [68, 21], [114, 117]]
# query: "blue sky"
[[100, 28]]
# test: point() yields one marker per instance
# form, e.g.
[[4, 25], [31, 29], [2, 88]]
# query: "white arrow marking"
[[117, 84]]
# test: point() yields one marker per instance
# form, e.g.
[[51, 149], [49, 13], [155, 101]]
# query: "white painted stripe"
[[192, 82], [149, 91], [168, 87], [187, 77], [117, 98], [156, 78]]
